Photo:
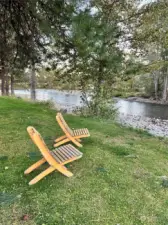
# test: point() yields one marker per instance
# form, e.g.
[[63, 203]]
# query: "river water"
[[70, 100], [141, 115]]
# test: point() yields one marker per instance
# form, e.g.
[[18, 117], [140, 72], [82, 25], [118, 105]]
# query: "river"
[[147, 116], [70, 100]]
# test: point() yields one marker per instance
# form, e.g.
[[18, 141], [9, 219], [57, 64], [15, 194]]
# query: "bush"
[[104, 110]]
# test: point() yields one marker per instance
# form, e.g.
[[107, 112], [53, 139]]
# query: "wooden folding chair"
[[56, 158], [70, 135]]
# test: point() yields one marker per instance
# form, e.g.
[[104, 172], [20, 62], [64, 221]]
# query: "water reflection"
[[62, 99], [143, 109], [70, 100]]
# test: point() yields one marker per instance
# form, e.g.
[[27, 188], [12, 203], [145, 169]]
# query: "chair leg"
[[41, 175], [78, 139], [61, 142], [34, 166], [62, 169], [76, 142], [60, 138]]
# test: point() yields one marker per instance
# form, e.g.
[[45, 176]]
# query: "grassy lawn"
[[116, 182]]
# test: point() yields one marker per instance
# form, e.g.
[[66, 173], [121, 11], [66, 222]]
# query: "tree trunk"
[[165, 84], [156, 88], [3, 82], [97, 89], [2, 78], [156, 83], [33, 83], [7, 84], [12, 84]]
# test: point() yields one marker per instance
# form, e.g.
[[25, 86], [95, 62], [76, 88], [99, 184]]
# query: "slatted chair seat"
[[66, 153], [81, 132], [56, 159], [70, 134]]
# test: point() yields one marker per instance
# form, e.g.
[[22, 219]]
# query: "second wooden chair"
[[70, 135]]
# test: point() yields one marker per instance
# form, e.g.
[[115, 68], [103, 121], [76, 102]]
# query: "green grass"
[[117, 181]]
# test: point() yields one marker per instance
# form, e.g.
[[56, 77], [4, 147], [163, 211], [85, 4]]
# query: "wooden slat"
[[76, 132], [55, 157], [66, 157], [76, 151], [66, 153], [70, 152], [86, 131], [80, 132], [60, 156], [56, 152]]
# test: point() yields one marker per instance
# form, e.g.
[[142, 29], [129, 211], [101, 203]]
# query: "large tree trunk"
[[33, 83], [165, 84], [2, 82], [2, 77], [7, 84], [12, 84]]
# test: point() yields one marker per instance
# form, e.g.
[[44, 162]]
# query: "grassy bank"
[[117, 181]]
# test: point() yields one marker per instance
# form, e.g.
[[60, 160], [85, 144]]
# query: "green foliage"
[[99, 58], [39, 25], [31, 33], [150, 43], [84, 44], [103, 110]]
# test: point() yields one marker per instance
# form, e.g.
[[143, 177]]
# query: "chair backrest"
[[67, 128], [38, 140]]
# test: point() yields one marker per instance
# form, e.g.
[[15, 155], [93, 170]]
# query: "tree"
[[98, 31], [27, 28], [150, 40]]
